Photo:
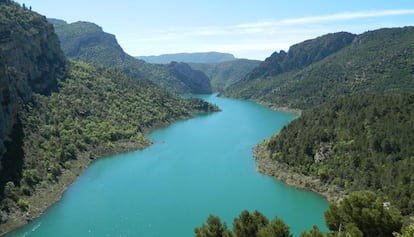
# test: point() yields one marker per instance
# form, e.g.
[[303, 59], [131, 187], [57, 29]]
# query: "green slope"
[[354, 143], [224, 74], [87, 42], [379, 61]]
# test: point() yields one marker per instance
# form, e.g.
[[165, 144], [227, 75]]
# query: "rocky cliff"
[[30, 61], [301, 55]]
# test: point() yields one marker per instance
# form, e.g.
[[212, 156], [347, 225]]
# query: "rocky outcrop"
[[30, 61], [301, 55], [324, 152]]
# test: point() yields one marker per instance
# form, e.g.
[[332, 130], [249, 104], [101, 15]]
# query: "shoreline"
[[270, 105], [281, 172], [280, 108], [46, 195]]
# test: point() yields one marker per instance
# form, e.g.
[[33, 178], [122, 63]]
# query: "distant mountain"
[[224, 74], [195, 79], [223, 69], [333, 65], [87, 42], [208, 57]]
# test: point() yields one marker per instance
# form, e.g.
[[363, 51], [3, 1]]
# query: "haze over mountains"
[[203, 57], [224, 74], [87, 42]]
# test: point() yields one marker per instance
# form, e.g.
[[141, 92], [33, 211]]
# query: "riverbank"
[[48, 193], [265, 165], [268, 166], [280, 108], [282, 172]]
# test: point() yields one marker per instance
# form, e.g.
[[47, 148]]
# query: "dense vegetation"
[[224, 74], [356, 143], [363, 214], [207, 57], [87, 42], [360, 214], [246, 225], [97, 111], [379, 61]]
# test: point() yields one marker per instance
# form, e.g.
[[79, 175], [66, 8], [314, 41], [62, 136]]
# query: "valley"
[[88, 130]]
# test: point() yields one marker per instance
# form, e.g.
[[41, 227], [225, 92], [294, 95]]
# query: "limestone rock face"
[[30, 62]]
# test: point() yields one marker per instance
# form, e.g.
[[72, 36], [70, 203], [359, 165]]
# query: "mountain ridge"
[[200, 57], [302, 54], [86, 41], [375, 61]]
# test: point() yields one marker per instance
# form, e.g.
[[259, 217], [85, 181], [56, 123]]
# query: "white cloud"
[[245, 39], [348, 16]]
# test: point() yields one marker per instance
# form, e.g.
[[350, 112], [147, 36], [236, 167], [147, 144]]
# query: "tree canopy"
[[355, 143], [245, 225], [363, 214]]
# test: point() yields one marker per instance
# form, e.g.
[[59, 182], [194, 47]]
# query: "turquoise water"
[[195, 168]]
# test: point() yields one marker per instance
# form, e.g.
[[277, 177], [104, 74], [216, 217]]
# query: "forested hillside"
[[87, 42], [379, 61], [224, 74], [354, 143]]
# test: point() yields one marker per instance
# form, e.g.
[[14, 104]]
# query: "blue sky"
[[246, 28]]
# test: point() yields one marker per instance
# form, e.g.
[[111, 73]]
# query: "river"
[[195, 167]]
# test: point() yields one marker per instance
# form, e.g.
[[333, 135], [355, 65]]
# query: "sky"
[[252, 29]]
